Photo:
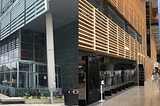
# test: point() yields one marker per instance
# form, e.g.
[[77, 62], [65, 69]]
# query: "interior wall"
[[149, 62]]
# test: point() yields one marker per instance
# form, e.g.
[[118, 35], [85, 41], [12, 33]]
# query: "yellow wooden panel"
[[120, 6], [113, 2]]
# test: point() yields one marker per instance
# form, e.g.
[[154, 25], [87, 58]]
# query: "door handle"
[[90, 92]]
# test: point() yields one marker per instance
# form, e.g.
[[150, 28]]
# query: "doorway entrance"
[[32, 80]]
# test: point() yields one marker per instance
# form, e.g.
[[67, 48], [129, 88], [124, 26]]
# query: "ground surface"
[[148, 95]]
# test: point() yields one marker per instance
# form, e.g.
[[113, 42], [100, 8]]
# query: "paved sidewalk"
[[31, 105]]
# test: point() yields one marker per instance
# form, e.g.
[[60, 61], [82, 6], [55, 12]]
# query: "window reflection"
[[9, 48], [1, 78], [22, 79], [25, 67], [14, 66], [13, 79], [7, 79], [7, 67]]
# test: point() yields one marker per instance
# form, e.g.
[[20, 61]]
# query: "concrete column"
[[17, 74], [30, 76], [34, 76], [50, 50]]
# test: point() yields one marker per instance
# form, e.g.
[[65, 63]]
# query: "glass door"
[[58, 76], [37, 80], [32, 80]]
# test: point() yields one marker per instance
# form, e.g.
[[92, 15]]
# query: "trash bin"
[[71, 98]]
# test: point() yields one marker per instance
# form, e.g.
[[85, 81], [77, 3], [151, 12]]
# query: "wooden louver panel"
[[98, 33]]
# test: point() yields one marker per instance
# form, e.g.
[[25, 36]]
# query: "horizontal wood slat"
[[98, 33]]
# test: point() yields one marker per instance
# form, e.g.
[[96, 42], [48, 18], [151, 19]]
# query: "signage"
[[155, 64], [75, 91], [102, 82]]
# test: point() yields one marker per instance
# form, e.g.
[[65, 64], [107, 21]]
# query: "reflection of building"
[[37, 34]]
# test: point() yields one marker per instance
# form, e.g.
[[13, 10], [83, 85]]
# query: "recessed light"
[[71, 16], [60, 21]]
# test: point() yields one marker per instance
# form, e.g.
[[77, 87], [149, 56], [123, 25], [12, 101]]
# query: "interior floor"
[[148, 95]]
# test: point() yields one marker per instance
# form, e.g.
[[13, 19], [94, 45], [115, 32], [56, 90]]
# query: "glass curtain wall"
[[32, 68], [9, 48], [33, 46]]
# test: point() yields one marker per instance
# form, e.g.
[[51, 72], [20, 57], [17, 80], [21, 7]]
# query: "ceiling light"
[[60, 21], [126, 48], [71, 16]]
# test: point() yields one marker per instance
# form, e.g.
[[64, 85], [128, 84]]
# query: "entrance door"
[[93, 82], [92, 79], [32, 80], [58, 76]]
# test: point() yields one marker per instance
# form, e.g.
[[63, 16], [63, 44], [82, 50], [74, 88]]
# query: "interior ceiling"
[[64, 12]]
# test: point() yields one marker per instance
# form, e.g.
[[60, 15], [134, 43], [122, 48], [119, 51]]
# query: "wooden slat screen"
[[129, 9], [121, 43], [98, 33], [126, 11], [86, 25], [131, 14], [119, 6], [101, 32], [112, 27]]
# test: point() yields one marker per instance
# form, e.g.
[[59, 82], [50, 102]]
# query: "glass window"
[[1, 78], [41, 68], [40, 41], [40, 56], [6, 48], [39, 35], [27, 39], [10, 56], [139, 39], [132, 32], [1, 68], [26, 55], [10, 46], [23, 67], [27, 32], [96, 3], [3, 49], [13, 44], [14, 66], [16, 54], [43, 80], [0, 50], [26, 46], [116, 18], [2, 58], [22, 79], [40, 48], [6, 57], [7, 67], [13, 79], [17, 42], [7, 78]]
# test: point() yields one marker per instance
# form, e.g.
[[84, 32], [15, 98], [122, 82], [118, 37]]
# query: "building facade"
[[44, 43]]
